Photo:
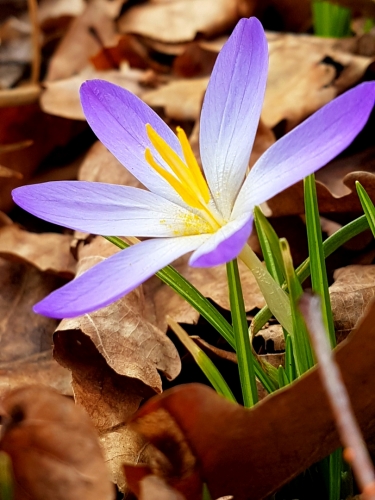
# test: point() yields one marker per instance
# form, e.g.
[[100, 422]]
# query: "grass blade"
[[367, 205], [331, 244], [241, 335], [203, 361]]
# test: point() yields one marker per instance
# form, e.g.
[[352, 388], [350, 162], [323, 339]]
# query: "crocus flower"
[[183, 210]]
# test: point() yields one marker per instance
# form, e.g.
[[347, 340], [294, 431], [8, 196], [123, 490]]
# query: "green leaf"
[[331, 20], [331, 244], [300, 339], [277, 299], [6, 477], [203, 361], [283, 378], [290, 363], [316, 253], [269, 243], [245, 355], [367, 205]]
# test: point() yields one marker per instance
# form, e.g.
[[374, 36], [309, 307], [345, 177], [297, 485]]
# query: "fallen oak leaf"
[[115, 355], [53, 447], [39, 368], [350, 294], [179, 21], [48, 252], [288, 432], [61, 97]]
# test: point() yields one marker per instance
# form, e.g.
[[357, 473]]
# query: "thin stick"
[[355, 452], [35, 39]]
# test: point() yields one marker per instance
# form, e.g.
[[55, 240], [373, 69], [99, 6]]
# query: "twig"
[[35, 38], [355, 452]]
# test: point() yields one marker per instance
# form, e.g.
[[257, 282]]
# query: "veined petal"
[[308, 147], [108, 209], [225, 244], [118, 118], [114, 277], [231, 111]]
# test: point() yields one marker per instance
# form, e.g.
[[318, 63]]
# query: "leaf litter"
[[112, 361]]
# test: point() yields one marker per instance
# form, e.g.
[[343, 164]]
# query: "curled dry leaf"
[[350, 294], [235, 448], [304, 75], [23, 333], [176, 21], [26, 338], [99, 165], [86, 35], [211, 282], [180, 99], [8, 172], [39, 368], [48, 252], [291, 202], [61, 97], [115, 355], [53, 447], [154, 487], [29, 123]]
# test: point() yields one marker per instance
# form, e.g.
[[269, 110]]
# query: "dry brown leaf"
[[129, 343], [39, 368], [289, 15], [7, 172], [211, 282], [49, 9], [115, 355], [53, 447], [194, 60], [235, 448], [22, 332], [269, 339], [46, 132], [176, 21], [86, 35], [154, 487], [302, 76], [61, 98], [350, 294], [100, 165], [49, 252], [180, 99], [291, 200]]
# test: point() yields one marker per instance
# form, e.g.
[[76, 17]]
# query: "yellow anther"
[[186, 178], [177, 166], [171, 179], [193, 164]]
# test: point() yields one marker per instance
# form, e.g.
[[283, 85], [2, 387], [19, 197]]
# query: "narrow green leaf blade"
[[367, 205], [316, 253], [241, 335]]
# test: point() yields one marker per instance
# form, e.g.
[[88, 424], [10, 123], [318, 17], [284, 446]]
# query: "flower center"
[[187, 179]]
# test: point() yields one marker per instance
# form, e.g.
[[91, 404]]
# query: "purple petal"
[[115, 277], [308, 147], [118, 119], [231, 111], [105, 209], [225, 244]]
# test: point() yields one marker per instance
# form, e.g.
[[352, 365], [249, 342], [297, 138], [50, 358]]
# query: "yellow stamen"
[[187, 180], [175, 183], [193, 164]]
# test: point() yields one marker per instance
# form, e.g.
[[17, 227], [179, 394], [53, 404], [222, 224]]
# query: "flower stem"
[[241, 336]]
